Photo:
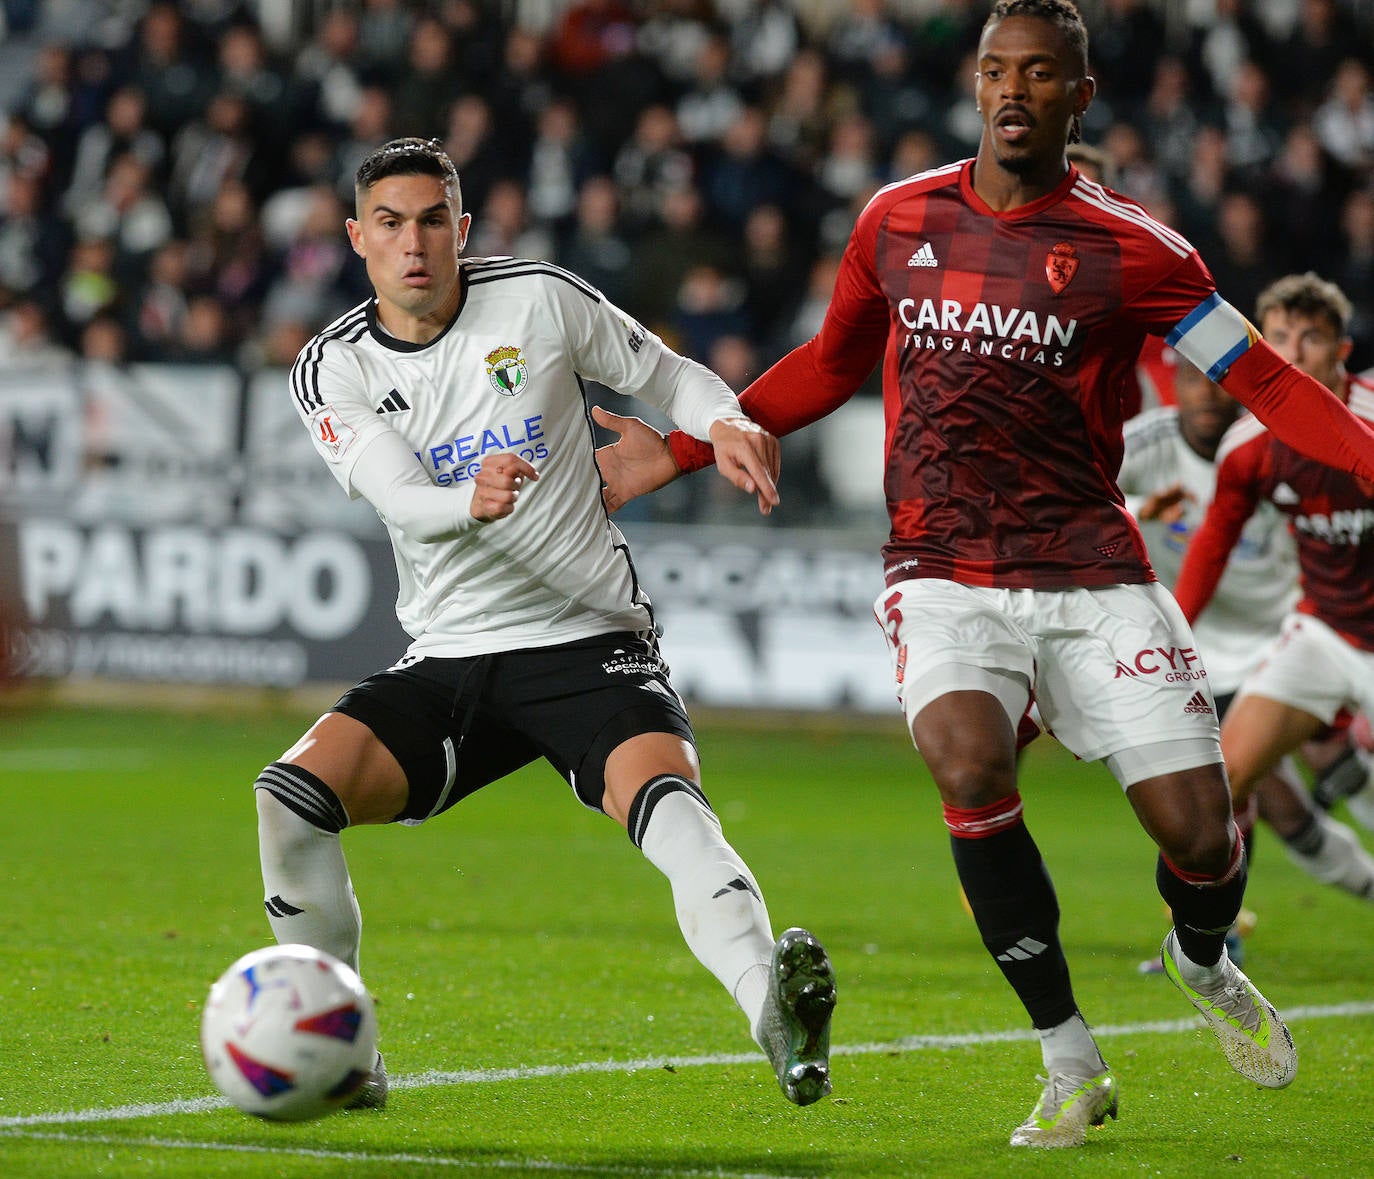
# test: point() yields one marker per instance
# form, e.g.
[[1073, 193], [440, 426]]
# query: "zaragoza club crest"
[[1061, 264], [506, 370]]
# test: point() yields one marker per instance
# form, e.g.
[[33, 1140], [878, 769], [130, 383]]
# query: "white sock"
[[719, 907], [1339, 859], [309, 896], [1070, 1048]]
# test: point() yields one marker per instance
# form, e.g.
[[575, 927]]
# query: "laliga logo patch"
[[1061, 264], [334, 435], [506, 370]]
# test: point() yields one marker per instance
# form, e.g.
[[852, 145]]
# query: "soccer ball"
[[288, 1033]]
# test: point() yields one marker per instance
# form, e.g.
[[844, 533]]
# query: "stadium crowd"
[[174, 177]]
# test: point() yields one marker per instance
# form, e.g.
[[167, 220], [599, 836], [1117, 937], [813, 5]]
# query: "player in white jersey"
[[1168, 475], [453, 402]]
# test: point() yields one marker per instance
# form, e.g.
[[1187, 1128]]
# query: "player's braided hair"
[[1066, 18], [1306, 294], [408, 157]]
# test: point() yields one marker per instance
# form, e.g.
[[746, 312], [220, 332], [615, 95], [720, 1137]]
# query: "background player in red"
[[1007, 298], [1323, 660]]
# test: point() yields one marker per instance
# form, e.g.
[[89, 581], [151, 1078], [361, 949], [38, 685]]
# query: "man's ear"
[[355, 237]]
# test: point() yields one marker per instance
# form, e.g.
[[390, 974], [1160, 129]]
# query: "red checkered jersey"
[[1330, 512]]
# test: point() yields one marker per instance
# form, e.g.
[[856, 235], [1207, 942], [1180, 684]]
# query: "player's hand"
[[1166, 505], [497, 485], [749, 456], [637, 463]]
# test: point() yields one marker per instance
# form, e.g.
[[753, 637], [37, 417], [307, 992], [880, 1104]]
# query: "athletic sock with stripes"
[[1014, 903], [720, 909], [307, 891]]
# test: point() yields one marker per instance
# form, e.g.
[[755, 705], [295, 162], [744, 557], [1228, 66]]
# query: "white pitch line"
[[433, 1079], [424, 1160]]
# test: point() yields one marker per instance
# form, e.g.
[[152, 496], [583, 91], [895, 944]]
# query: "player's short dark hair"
[[1061, 13], [410, 156], [1306, 294]]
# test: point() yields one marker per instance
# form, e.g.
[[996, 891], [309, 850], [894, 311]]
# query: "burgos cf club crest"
[[1061, 264], [506, 370]]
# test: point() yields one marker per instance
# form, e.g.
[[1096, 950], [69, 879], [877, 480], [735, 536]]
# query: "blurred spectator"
[[672, 35], [326, 69], [595, 246], [129, 213], [668, 250], [915, 151], [866, 33], [123, 131], [710, 304], [1345, 121], [205, 336], [1171, 118], [1298, 194], [46, 104], [88, 287], [244, 70], [590, 35], [519, 86], [1354, 272], [158, 312], [711, 103], [774, 273], [1321, 38], [384, 36], [800, 112], [764, 37], [480, 155], [228, 259], [429, 83], [1253, 125], [176, 84], [310, 164], [501, 226], [944, 35], [744, 172], [561, 159], [850, 164], [316, 276], [1126, 39], [1134, 168], [651, 163], [370, 128], [1199, 196], [33, 243], [1241, 260], [1222, 40], [210, 152], [893, 98], [22, 153], [27, 343], [103, 341]]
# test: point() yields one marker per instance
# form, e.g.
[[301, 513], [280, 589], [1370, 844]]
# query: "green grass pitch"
[[541, 1015]]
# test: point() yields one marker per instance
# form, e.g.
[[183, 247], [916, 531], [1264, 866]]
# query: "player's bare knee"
[[968, 783], [1201, 849]]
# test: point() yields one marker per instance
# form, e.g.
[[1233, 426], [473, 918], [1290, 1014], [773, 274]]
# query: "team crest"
[[506, 370], [1061, 264]]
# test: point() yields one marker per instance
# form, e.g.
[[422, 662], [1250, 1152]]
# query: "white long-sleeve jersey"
[[408, 426], [1261, 581]]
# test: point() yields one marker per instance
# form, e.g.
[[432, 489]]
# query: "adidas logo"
[[1024, 950], [738, 884], [1197, 703], [1283, 494], [393, 402], [925, 256], [277, 907]]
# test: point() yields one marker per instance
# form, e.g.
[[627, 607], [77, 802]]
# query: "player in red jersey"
[[1323, 660], [1007, 297]]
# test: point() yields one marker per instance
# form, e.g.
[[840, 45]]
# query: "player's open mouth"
[[1014, 125]]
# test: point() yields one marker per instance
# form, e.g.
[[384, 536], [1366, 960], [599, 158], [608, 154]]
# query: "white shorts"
[[1311, 667], [1113, 671]]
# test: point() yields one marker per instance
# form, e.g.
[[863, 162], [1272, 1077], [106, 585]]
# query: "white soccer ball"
[[288, 1033]]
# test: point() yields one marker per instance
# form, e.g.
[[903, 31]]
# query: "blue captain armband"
[[1213, 336]]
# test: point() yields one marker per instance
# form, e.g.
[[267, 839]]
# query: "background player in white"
[[1168, 474], [453, 402], [1323, 661]]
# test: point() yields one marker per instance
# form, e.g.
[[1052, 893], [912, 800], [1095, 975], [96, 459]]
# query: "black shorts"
[[457, 724]]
